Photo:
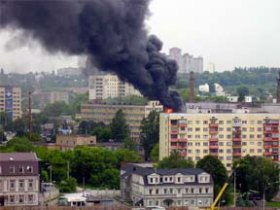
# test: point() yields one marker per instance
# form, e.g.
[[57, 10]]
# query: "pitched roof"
[[18, 156]]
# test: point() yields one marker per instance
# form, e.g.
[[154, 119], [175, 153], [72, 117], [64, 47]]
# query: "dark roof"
[[18, 156], [144, 171]]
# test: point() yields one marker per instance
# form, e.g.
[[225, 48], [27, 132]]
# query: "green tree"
[[155, 153], [119, 127], [102, 133], [215, 167], [69, 185], [242, 91], [149, 135], [175, 160], [57, 109], [258, 174], [20, 144]]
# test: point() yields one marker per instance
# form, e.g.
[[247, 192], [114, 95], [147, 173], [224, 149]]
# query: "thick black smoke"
[[110, 32]]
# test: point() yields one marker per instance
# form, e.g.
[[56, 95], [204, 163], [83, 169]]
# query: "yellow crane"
[[220, 194]]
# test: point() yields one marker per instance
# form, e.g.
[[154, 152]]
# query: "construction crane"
[[220, 194]]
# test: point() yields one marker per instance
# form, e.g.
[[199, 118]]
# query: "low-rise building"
[[19, 179], [69, 142], [228, 136], [134, 114], [146, 186]]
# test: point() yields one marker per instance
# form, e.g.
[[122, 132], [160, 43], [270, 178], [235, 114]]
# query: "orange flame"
[[168, 110]]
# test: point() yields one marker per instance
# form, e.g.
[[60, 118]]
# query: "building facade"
[[105, 86], [10, 101], [134, 114], [51, 97], [278, 89], [69, 142], [19, 179], [166, 187], [227, 136]]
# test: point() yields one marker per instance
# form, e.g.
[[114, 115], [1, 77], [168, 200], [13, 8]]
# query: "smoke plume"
[[110, 32]]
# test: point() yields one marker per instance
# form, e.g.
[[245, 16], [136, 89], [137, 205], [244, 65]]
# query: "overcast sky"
[[228, 33]]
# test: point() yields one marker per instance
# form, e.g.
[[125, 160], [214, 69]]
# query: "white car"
[[155, 208]]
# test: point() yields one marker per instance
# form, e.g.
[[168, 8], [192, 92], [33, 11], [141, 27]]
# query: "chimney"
[[191, 87], [278, 89]]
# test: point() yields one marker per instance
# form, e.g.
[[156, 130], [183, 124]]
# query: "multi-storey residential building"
[[19, 179], [186, 62], [228, 136], [134, 114], [146, 186], [105, 86], [10, 101], [51, 97], [69, 142], [278, 89]]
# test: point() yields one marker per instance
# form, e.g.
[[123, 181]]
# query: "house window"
[[179, 179], [30, 198], [12, 198], [21, 198], [12, 169], [12, 184], [29, 169], [30, 183], [21, 184], [21, 169]]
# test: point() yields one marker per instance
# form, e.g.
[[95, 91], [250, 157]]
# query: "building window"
[[12, 198], [29, 169], [200, 190], [205, 143], [179, 179], [30, 183], [21, 198], [165, 191], [12, 185], [192, 190], [12, 169], [197, 129], [151, 191], [244, 129], [171, 191], [206, 190], [21, 169], [21, 184], [205, 129]]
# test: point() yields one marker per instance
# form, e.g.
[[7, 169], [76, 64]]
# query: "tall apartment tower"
[[278, 89], [191, 85], [10, 101], [176, 54], [105, 86]]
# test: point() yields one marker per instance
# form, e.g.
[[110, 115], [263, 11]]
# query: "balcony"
[[174, 140], [213, 131], [236, 146], [174, 131], [236, 154], [235, 139], [213, 125], [268, 146], [267, 139], [184, 140], [267, 153], [213, 139], [214, 146]]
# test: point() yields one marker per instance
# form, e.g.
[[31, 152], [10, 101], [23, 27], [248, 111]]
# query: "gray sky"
[[228, 33]]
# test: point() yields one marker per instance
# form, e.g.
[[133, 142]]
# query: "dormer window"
[[179, 179], [21, 169], [12, 169], [29, 169], [151, 180]]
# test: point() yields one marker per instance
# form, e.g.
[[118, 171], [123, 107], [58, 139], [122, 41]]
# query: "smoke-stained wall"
[[110, 32]]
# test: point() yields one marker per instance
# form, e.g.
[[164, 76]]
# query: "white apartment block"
[[109, 86], [228, 136], [145, 186]]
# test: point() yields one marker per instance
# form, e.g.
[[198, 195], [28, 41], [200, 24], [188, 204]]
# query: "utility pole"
[[68, 169], [30, 114], [234, 188]]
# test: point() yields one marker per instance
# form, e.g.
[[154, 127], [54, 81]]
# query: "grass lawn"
[[273, 204]]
